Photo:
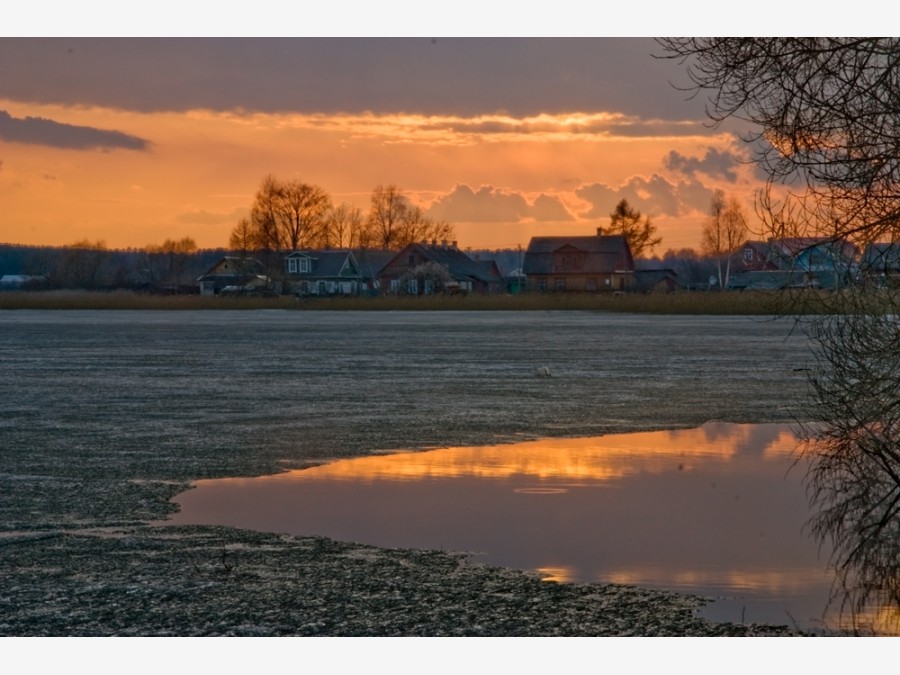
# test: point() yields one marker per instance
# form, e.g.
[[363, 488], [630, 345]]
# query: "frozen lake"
[[107, 414], [715, 511]]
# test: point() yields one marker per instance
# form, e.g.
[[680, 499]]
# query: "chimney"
[[453, 244], [599, 231], [443, 243]]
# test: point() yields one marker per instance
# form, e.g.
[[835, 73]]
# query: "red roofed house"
[[592, 264]]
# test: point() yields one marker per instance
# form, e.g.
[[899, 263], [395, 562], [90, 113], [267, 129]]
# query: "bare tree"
[[79, 265], [823, 118], [264, 215], [854, 479], [393, 222], [387, 215], [419, 227], [343, 226], [167, 262], [640, 234], [723, 232], [302, 211], [243, 237]]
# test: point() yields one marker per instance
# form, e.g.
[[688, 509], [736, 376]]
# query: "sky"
[[135, 140]]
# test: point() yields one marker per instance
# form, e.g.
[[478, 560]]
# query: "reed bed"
[[736, 303]]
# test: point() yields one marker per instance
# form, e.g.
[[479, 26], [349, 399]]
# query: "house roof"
[[234, 266], [605, 254], [795, 246], [327, 263], [373, 260], [647, 278], [460, 266], [882, 257], [761, 248], [490, 268]]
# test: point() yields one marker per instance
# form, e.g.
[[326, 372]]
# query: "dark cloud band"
[[40, 131]]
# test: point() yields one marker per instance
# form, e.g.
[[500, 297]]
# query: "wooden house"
[[323, 272], [592, 264], [233, 274], [425, 269], [880, 265], [795, 262]]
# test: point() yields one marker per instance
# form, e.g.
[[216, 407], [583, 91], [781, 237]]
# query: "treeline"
[[170, 267], [693, 268]]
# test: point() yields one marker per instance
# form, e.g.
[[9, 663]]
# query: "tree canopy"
[[291, 215], [639, 233]]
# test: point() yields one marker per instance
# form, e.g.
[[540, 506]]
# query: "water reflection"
[[713, 510]]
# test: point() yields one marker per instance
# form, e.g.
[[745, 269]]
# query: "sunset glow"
[[136, 173]]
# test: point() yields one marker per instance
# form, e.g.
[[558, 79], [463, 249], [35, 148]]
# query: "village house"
[[425, 269], [880, 265], [236, 275], [323, 272], [795, 262], [592, 264], [663, 280]]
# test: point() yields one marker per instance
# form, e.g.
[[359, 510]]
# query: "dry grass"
[[745, 303]]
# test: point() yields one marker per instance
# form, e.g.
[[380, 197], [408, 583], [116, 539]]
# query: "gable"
[[322, 264], [604, 254], [234, 266]]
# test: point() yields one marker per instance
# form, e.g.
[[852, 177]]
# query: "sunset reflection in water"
[[716, 510]]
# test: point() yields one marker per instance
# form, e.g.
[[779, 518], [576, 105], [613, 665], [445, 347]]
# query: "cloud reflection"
[[602, 458]]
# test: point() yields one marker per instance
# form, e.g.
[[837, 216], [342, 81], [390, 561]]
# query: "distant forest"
[[164, 268], [175, 266]]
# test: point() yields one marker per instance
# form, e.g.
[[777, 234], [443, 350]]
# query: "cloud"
[[716, 164], [550, 208], [40, 131], [491, 205], [653, 196], [202, 217], [458, 76]]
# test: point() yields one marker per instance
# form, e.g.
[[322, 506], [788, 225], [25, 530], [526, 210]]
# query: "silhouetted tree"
[[343, 227], [639, 233], [168, 262], [393, 222], [243, 237], [302, 211]]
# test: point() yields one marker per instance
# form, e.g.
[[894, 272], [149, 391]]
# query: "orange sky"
[[499, 176]]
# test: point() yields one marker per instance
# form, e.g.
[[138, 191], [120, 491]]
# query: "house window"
[[395, 285], [412, 287], [292, 266], [559, 284], [590, 285], [412, 260], [429, 287], [542, 285], [305, 266], [748, 254]]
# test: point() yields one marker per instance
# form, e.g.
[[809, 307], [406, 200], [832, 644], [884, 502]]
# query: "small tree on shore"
[[639, 233], [723, 232]]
